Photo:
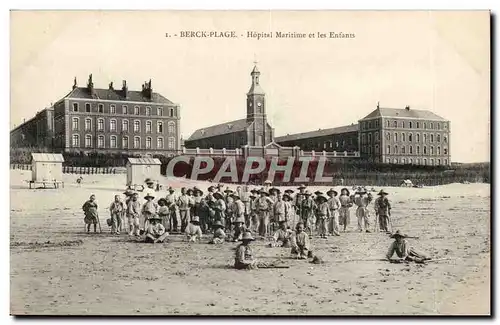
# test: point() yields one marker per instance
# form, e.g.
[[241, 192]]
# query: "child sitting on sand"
[[90, 210], [219, 234], [403, 250], [155, 232], [300, 243], [282, 236], [193, 230]]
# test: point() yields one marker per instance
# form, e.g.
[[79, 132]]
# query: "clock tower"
[[256, 103]]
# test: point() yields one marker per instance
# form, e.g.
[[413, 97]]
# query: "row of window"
[[75, 125], [366, 125], [113, 142], [125, 110], [425, 137], [404, 150], [417, 161], [329, 144]]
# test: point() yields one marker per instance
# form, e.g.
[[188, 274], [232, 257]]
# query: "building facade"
[[254, 130], [405, 136], [339, 139], [37, 132]]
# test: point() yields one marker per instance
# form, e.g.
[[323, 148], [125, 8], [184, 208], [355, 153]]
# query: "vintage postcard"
[[250, 163]]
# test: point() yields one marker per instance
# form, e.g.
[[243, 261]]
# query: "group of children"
[[287, 219]]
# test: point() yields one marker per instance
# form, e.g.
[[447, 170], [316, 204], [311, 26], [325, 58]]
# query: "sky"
[[434, 60]]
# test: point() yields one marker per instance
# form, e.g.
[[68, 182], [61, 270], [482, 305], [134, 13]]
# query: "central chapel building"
[[254, 130]]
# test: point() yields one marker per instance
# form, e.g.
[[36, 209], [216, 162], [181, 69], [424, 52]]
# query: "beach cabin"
[[138, 169], [46, 168]]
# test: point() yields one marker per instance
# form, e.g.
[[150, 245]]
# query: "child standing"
[[116, 210], [164, 213], [90, 210]]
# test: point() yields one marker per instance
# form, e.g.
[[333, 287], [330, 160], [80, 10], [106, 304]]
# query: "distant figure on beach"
[[79, 180], [90, 210], [403, 250]]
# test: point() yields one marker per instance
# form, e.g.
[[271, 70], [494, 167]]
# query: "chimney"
[[125, 89], [90, 85], [111, 86], [74, 83], [407, 107]]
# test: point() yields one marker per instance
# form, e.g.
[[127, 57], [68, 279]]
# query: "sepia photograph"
[[250, 163]]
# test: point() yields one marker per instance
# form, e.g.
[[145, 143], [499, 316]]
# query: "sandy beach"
[[59, 269]]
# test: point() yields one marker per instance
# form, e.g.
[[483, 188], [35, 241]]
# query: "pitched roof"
[[144, 161], [219, 129], [116, 94], [406, 113], [47, 157], [318, 133]]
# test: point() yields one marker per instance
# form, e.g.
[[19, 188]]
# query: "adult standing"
[[345, 205], [184, 202]]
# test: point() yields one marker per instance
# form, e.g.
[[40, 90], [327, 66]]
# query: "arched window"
[[125, 125], [439, 150], [171, 143], [403, 124], [171, 127], [438, 137], [376, 149], [395, 160], [425, 150], [410, 161], [396, 150], [75, 124], [159, 143], [388, 123], [377, 137], [76, 141], [112, 125], [137, 126], [403, 149], [403, 161], [445, 139], [88, 124], [418, 125], [432, 150], [395, 137], [112, 141], [418, 137], [88, 141], [388, 136], [418, 161], [100, 141], [149, 127], [410, 125], [403, 137], [395, 124], [432, 162], [369, 138], [439, 160], [418, 150], [137, 142], [148, 110], [425, 161], [411, 149], [425, 137], [445, 151], [100, 124], [425, 125], [136, 110], [388, 150], [125, 142], [432, 137], [148, 143], [446, 161], [410, 137], [431, 126]]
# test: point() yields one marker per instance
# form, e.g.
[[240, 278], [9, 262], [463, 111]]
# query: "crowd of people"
[[287, 218]]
